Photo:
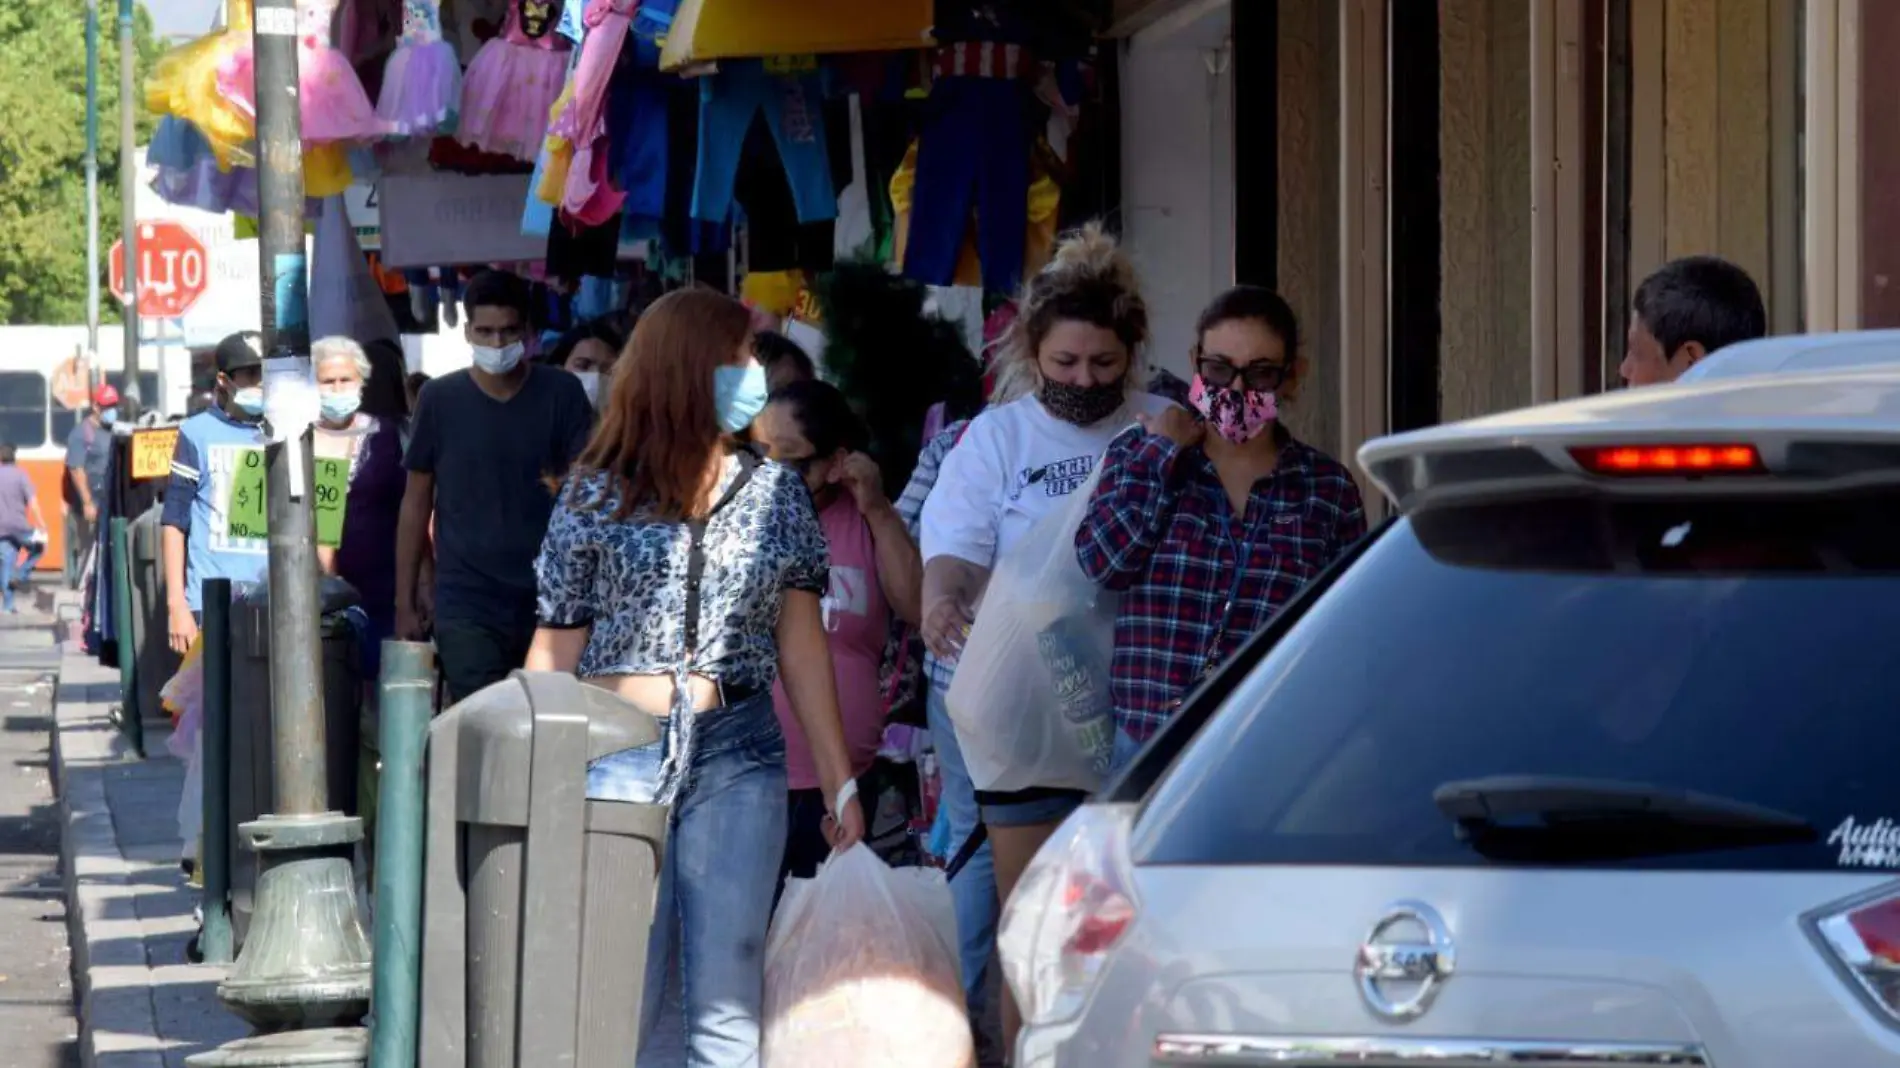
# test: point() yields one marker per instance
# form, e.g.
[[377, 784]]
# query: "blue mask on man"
[[739, 395], [108, 416]]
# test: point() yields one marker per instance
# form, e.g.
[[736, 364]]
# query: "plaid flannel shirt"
[[910, 507], [1195, 579]]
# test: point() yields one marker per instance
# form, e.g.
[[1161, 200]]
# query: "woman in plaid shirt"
[[1208, 524]]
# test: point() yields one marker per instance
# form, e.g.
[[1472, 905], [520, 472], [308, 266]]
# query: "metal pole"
[[303, 974], [92, 193], [406, 692], [131, 717], [214, 756], [128, 204]]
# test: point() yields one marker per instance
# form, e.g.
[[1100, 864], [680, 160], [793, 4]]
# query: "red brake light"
[[1713, 459], [1865, 939]]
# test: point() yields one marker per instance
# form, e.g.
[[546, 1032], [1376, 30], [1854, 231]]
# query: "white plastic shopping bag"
[[861, 971], [1030, 700]]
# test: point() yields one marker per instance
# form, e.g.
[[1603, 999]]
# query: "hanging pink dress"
[[580, 131], [334, 106], [513, 81], [422, 85]]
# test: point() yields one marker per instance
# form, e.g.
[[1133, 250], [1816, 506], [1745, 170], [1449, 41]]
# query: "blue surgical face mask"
[[340, 406], [739, 395], [108, 416], [249, 400]]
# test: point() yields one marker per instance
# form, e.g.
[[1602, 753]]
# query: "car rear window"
[[1735, 648]]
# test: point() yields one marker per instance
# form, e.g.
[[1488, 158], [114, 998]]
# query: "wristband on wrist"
[[846, 794]]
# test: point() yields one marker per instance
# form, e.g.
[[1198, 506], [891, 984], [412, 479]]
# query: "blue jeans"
[[706, 960], [10, 567], [1125, 749], [974, 888]]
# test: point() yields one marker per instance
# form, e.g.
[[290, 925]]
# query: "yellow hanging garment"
[[184, 82]]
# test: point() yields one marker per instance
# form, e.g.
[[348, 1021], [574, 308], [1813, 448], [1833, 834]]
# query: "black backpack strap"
[[696, 555]]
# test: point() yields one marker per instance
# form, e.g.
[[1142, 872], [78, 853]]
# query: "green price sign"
[[249, 517]]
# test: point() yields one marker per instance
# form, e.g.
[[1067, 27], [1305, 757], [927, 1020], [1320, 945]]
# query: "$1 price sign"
[[249, 515]]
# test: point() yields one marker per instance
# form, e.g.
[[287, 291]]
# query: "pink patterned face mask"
[[1235, 414]]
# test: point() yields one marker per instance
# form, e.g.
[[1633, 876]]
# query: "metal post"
[[129, 98], [92, 193], [131, 723], [303, 975], [215, 943], [406, 706]]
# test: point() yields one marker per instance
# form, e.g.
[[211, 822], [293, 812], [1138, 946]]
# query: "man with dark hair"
[[486, 446], [88, 450], [784, 361], [1690, 308], [22, 527], [196, 541]]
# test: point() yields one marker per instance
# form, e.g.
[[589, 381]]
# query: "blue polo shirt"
[[198, 499]]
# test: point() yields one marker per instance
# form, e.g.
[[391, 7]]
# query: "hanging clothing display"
[[422, 84], [577, 134], [513, 81], [793, 105], [973, 151], [1042, 204], [184, 83], [332, 103]]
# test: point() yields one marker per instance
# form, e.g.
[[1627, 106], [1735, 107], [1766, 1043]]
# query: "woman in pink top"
[[876, 572]]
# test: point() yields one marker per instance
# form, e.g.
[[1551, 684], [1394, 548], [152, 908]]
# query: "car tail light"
[[1073, 905], [1640, 460], [1864, 938]]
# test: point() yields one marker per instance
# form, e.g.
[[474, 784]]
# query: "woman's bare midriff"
[[653, 694]]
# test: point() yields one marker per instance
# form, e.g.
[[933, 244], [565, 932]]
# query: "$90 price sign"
[[249, 514]]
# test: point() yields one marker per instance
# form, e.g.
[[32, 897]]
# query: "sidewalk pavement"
[[129, 910]]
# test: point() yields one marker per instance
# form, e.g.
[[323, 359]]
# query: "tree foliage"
[[43, 155]]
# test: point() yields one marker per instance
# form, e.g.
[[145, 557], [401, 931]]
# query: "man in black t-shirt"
[[485, 446]]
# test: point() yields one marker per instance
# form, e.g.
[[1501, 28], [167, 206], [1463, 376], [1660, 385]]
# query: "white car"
[[1799, 353], [1586, 759]]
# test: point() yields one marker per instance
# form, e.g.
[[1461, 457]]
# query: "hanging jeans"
[[11, 568], [973, 152], [794, 112], [705, 984]]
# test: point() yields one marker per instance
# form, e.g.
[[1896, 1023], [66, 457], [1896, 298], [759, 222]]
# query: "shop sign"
[[152, 450], [250, 517], [441, 218], [362, 204]]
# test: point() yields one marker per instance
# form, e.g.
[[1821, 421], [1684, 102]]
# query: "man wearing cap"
[[88, 450], [198, 543]]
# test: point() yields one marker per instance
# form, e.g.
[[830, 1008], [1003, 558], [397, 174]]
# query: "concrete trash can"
[[253, 777], [538, 900]]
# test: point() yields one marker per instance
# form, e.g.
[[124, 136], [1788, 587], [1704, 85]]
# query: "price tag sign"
[[333, 493], [152, 452], [249, 513], [805, 307]]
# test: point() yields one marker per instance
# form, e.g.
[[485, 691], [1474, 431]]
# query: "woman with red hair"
[[684, 573]]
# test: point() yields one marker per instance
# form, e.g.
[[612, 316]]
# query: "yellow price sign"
[[152, 450], [249, 514], [805, 307], [803, 63]]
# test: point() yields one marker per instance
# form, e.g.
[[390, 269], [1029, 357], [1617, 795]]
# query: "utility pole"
[[92, 194], [302, 977], [128, 204]]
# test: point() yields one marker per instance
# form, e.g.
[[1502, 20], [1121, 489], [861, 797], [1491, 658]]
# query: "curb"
[[110, 925]]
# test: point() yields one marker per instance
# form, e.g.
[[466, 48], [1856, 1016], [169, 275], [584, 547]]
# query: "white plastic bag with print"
[[861, 970], [1030, 700]]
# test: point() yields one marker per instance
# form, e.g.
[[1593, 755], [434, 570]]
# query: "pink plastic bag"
[[861, 971]]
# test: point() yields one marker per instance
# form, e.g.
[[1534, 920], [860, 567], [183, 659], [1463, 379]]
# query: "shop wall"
[[1308, 198], [1880, 165], [1177, 172], [1484, 152]]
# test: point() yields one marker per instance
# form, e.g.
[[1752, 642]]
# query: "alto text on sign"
[[172, 269]]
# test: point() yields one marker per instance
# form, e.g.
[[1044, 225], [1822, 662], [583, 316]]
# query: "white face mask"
[[497, 361], [590, 384]]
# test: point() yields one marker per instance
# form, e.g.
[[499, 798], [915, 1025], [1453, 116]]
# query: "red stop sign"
[[172, 269]]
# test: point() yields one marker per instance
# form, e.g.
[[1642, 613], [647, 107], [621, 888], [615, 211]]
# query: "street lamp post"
[[128, 203], [92, 193], [302, 977]]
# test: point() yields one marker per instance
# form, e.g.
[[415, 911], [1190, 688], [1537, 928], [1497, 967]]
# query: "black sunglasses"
[[1260, 377]]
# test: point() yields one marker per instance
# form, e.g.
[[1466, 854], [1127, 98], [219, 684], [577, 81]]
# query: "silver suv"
[[1589, 758]]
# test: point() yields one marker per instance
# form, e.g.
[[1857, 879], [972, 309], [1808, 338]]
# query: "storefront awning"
[[730, 29]]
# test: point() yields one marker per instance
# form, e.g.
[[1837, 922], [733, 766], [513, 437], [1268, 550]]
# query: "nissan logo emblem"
[[1404, 961]]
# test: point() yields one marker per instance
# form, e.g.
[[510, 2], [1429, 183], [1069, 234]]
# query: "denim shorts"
[[1028, 808]]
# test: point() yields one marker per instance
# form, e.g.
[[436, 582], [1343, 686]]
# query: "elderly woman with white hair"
[[366, 556]]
